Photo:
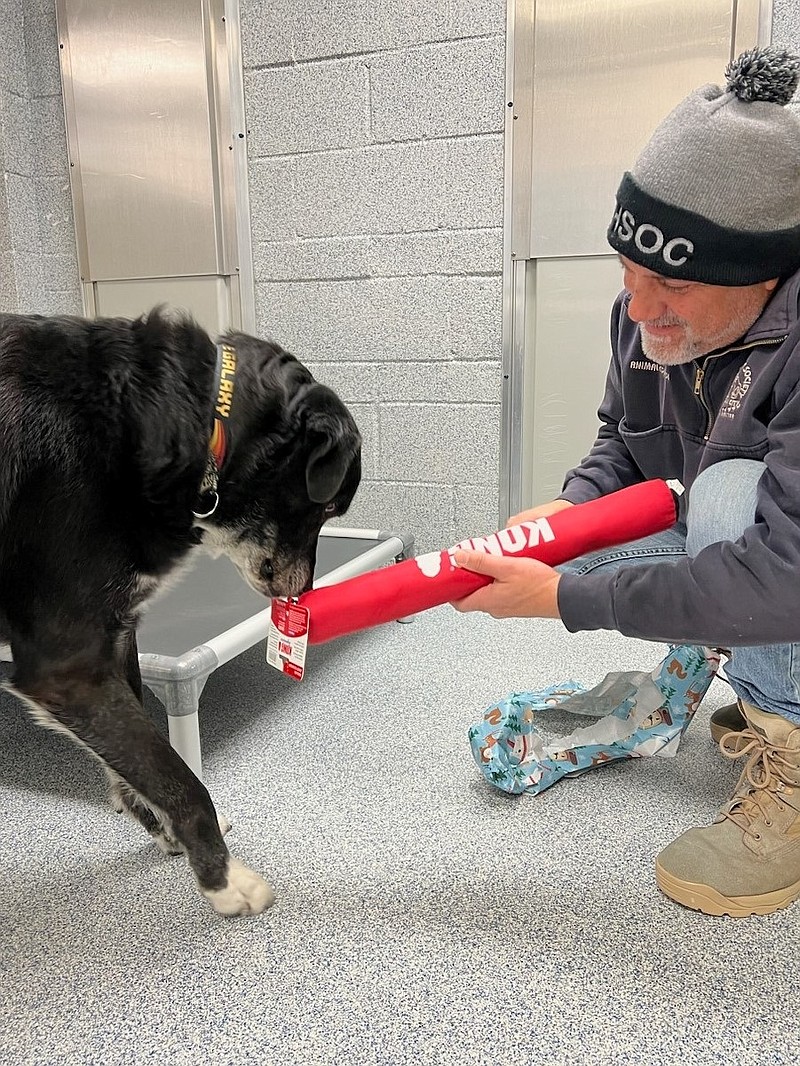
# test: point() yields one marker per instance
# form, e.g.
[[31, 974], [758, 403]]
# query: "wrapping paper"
[[639, 714]]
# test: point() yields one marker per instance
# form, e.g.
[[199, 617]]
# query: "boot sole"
[[707, 900]]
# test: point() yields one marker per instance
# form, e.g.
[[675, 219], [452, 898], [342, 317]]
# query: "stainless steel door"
[[151, 121]]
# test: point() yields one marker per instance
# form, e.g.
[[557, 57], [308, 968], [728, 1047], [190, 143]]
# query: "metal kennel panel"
[[154, 106]]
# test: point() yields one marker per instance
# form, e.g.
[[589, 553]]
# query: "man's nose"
[[646, 302]]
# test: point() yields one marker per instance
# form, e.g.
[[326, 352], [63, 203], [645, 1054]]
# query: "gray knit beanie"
[[715, 194]]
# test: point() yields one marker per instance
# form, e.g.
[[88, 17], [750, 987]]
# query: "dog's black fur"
[[104, 439]]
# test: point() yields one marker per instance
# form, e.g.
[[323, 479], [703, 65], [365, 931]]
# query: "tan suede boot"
[[727, 719], [748, 860]]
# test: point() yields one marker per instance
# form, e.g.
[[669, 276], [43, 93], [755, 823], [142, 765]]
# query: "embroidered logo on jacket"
[[644, 364], [737, 392]]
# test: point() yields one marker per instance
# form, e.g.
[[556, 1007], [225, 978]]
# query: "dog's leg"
[[104, 715], [124, 799]]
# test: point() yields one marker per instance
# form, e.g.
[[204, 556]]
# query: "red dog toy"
[[430, 580]]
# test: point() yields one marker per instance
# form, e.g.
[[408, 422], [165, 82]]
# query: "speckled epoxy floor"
[[422, 917]]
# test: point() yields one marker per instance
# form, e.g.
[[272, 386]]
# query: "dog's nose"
[[267, 570]]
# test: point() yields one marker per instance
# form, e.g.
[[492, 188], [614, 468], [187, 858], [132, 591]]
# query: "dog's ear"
[[326, 470], [332, 439]]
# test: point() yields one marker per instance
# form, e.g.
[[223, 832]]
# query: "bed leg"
[[184, 736]]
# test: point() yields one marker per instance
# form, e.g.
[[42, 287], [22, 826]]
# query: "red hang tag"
[[287, 638]]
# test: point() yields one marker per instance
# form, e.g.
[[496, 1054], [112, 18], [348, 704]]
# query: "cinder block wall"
[[376, 183], [37, 233]]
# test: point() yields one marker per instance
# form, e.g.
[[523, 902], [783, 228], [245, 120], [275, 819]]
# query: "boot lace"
[[766, 774]]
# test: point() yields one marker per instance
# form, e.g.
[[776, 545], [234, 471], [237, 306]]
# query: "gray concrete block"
[[266, 31], [476, 317], [272, 33], [23, 214], [307, 108], [450, 382], [41, 49], [311, 259], [403, 188], [477, 511], [8, 279], [30, 292], [54, 207], [453, 382], [446, 252], [457, 251], [472, 183], [47, 121], [40, 301], [440, 442], [354, 382], [426, 510], [471, 18], [9, 297], [442, 90], [786, 24], [60, 272], [20, 136], [376, 319], [383, 189], [13, 68], [273, 209]]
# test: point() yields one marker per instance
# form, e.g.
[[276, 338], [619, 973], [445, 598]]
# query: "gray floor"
[[422, 917]]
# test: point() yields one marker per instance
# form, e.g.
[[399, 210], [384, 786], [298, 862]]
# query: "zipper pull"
[[698, 380]]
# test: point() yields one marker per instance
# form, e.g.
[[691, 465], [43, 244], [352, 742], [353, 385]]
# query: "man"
[[704, 386]]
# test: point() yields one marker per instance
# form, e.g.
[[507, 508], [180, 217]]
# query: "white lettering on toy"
[[509, 541]]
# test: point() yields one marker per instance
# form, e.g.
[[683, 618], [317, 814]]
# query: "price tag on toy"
[[287, 638]]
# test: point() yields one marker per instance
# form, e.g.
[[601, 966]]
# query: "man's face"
[[681, 320]]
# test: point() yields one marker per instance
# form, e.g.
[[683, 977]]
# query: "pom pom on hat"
[[769, 74]]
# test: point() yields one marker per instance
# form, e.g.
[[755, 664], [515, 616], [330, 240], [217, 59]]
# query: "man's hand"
[[544, 510], [522, 588]]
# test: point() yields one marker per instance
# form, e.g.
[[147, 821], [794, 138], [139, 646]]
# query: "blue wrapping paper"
[[638, 714]]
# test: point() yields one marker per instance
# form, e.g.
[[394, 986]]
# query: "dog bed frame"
[[211, 616]]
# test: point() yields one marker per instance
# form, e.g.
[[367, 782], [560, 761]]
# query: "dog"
[[124, 447]]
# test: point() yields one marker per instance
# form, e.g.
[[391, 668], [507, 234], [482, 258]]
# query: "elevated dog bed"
[[211, 616]]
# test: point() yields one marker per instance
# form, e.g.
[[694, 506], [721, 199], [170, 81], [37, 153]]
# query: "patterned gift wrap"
[[639, 714]]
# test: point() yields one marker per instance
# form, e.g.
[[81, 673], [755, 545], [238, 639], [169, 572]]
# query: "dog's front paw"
[[245, 893]]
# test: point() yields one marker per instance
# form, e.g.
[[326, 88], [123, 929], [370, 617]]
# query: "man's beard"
[[689, 344]]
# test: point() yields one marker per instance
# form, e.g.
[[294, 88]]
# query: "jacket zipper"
[[700, 374]]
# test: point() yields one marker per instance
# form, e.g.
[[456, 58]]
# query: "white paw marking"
[[245, 893], [224, 824]]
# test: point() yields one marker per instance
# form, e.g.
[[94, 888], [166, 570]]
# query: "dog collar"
[[224, 382]]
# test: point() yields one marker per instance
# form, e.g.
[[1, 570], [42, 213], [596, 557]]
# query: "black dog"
[[123, 446]]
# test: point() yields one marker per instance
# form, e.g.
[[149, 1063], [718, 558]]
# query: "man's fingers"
[[478, 562]]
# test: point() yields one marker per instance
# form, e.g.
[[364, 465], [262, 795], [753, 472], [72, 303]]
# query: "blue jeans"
[[722, 504]]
